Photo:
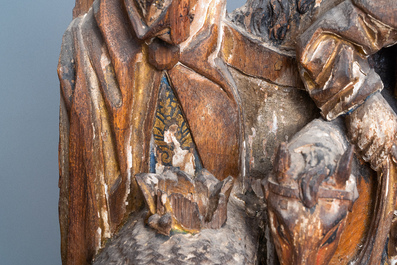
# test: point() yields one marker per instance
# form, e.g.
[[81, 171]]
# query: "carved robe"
[[109, 94], [333, 55]]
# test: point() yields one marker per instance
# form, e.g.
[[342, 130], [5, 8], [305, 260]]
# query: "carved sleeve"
[[67, 65], [383, 10], [333, 57], [67, 77]]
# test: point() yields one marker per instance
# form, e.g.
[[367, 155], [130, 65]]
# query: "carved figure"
[[153, 87], [115, 60], [345, 36], [341, 81], [333, 40]]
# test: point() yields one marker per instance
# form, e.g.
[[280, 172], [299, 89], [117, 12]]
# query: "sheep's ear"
[[282, 163], [147, 183], [344, 168]]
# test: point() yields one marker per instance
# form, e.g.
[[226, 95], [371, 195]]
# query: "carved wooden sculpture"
[[136, 243], [181, 202], [154, 87], [341, 80], [311, 197], [311, 194], [333, 42], [111, 72]]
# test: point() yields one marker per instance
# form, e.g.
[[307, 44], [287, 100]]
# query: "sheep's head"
[[309, 195]]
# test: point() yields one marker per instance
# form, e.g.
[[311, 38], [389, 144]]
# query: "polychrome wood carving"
[[178, 202], [172, 113], [310, 194]]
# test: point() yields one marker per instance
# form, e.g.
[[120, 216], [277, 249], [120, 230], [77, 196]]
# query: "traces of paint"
[[201, 11], [129, 167], [274, 124], [214, 9], [184, 159], [104, 60], [264, 142], [360, 77], [93, 131], [104, 210], [304, 222], [294, 206], [352, 186], [180, 157], [244, 152], [139, 57], [259, 118], [163, 198], [152, 157], [250, 142], [338, 140], [209, 109], [106, 190], [283, 118], [151, 180], [318, 3], [159, 168], [99, 231], [172, 141], [106, 227]]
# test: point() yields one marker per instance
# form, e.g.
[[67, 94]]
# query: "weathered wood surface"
[[81, 7], [313, 195], [237, 87], [178, 201], [109, 99], [135, 243], [342, 37], [272, 114]]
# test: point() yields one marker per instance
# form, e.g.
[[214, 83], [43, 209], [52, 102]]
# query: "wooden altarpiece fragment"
[[193, 136]]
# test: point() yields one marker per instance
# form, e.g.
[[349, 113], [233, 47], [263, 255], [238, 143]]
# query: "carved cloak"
[[109, 95]]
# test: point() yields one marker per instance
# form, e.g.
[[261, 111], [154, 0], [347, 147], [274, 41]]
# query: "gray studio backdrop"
[[30, 41]]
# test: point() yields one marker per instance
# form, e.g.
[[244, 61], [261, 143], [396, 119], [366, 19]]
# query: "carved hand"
[[372, 128], [333, 63]]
